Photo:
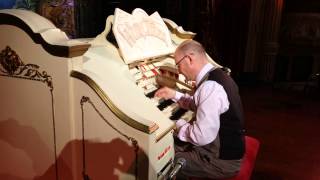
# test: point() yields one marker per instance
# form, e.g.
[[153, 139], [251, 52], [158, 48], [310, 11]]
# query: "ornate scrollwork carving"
[[12, 65], [10, 61]]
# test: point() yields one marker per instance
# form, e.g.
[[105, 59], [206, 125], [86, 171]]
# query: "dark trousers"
[[203, 164]]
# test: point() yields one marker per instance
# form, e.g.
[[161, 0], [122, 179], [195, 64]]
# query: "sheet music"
[[141, 36]]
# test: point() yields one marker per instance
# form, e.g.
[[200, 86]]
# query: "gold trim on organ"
[[122, 116]]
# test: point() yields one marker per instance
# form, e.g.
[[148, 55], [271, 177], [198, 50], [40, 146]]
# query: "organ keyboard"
[[148, 77]]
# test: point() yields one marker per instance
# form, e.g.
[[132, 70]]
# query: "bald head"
[[190, 57], [191, 47]]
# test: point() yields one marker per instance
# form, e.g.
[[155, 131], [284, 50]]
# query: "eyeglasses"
[[177, 64]]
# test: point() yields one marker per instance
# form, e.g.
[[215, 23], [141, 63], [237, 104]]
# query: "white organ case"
[[82, 104]]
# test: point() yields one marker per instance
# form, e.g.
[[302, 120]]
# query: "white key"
[[149, 86], [169, 109], [134, 71], [151, 66], [142, 84], [155, 101], [187, 116], [157, 64], [149, 74], [146, 67], [138, 76]]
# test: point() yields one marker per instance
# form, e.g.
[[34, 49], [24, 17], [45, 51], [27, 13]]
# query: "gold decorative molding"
[[121, 115], [12, 65]]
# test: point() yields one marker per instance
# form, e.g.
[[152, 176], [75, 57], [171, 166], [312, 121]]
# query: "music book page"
[[140, 36]]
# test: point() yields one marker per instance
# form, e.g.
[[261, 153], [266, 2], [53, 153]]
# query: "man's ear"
[[191, 58]]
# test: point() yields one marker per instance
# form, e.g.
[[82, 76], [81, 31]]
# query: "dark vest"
[[231, 133]]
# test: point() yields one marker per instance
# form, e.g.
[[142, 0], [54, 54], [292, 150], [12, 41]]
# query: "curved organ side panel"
[[35, 60], [106, 146]]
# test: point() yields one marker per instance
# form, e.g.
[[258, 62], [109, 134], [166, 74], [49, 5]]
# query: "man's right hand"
[[166, 93]]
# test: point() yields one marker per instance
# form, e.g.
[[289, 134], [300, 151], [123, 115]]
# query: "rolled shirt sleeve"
[[211, 101]]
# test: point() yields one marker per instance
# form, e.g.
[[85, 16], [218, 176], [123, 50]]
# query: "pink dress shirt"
[[209, 101]]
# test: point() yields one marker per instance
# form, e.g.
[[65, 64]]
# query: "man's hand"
[[166, 93]]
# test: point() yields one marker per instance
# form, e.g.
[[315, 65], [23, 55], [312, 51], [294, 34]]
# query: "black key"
[[151, 94], [162, 105], [178, 114]]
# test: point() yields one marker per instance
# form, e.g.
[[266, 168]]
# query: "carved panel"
[[11, 65]]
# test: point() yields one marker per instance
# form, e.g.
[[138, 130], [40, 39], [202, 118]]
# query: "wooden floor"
[[287, 124]]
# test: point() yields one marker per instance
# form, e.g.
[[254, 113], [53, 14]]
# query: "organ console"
[[87, 106]]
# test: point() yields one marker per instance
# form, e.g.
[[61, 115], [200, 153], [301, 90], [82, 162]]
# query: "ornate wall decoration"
[[11, 65], [61, 13]]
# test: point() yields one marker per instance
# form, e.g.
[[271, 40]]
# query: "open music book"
[[141, 36]]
